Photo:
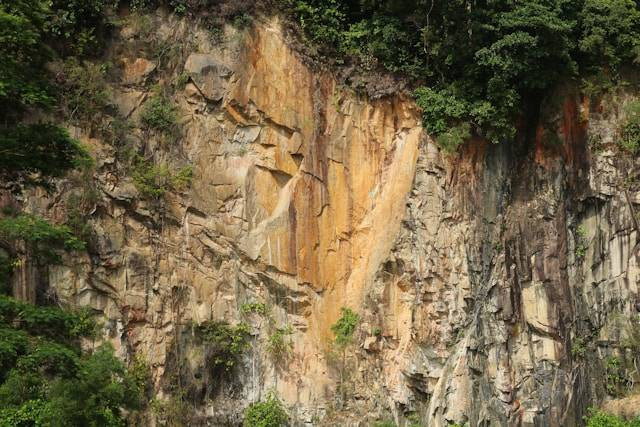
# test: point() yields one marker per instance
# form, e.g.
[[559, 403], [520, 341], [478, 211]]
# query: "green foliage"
[[226, 342], [322, 20], [78, 207], [182, 179], [45, 379], [23, 81], [84, 93], [581, 242], [179, 6], [78, 23], [39, 151], [7, 264], [615, 377], [413, 420], [578, 348], [630, 134], [344, 328], [173, 411], [159, 114], [40, 237], [254, 307], [598, 418], [269, 413], [385, 423], [453, 137], [140, 375], [480, 64], [182, 80], [278, 345], [48, 322], [242, 21], [609, 31], [153, 181]]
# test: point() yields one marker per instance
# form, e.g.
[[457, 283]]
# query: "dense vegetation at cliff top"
[[479, 64]]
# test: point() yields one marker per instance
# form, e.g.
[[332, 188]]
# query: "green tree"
[[46, 379]]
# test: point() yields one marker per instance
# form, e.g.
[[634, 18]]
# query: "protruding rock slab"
[[208, 74]]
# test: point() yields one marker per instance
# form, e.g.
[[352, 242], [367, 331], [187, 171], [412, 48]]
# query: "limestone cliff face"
[[475, 275]]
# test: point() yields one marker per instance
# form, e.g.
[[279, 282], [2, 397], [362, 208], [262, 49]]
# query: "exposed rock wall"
[[473, 273]]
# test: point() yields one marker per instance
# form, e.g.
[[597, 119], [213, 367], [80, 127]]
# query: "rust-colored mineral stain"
[[539, 151], [574, 132]]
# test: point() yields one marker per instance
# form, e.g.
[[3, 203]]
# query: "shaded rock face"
[[475, 275]]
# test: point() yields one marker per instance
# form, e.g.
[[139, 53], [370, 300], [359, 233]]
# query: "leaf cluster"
[[46, 379], [226, 343], [345, 327], [41, 238], [268, 413]]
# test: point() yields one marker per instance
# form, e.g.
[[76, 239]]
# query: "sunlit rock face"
[[474, 274]]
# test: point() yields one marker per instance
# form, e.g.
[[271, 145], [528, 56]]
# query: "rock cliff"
[[495, 286]]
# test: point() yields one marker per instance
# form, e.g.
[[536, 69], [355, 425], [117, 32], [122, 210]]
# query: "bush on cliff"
[[268, 413]]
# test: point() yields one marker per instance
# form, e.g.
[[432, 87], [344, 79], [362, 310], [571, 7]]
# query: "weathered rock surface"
[[473, 274]]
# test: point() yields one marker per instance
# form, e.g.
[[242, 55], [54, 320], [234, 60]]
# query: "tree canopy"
[[478, 63]]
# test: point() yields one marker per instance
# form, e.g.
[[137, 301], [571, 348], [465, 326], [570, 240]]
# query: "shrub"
[[84, 93], [42, 149], [344, 328], [615, 377], [278, 346], [159, 114], [598, 418], [269, 413], [153, 181], [242, 21], [226, 342], [173, 411], [581, 242], [578, 348], [7, 264], [46, 379], [630, 134], [454, 137], [40, 237], [254, 307]]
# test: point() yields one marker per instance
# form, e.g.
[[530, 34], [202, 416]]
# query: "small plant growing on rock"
[[614, 375], [581, 242], [242, 21], [227, 342], [153, 181], [159, 114], [269, 413], [630, 133], [578, 348], [278, 345], [343, 330], [254, 307]]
